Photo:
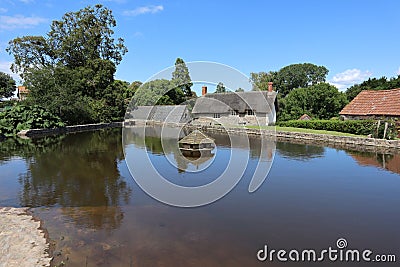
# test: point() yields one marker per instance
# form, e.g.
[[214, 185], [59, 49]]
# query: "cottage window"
[[250, 112], [234, 112], [217, 115]]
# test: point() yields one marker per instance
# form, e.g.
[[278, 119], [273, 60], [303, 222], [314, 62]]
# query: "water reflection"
[[313, 195], [76, 172], [150, 138], [299, 151], [390, 162]]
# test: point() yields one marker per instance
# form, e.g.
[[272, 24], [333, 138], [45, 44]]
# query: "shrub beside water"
[[358, 127], [23, 117]]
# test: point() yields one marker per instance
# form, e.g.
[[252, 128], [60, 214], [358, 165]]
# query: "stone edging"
[[311, 138], [68, 129], [23, 242]]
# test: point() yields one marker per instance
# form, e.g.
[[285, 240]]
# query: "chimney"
[[270, 87], [204, 90]]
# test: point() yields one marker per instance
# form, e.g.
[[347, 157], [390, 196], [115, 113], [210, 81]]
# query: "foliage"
[[7, 85], [321, 101], [260, 80], [131, 89], [181, 77], [290, 77], [74, 41], [373, 84], [359, 127], [23, 117], [158, 92], [71, 70], [239, 90], [8, 103], [220, 88]]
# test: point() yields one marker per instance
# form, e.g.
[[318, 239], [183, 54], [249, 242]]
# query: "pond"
[[80, 186]]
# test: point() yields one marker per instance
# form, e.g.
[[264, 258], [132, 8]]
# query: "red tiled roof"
[[374, 102], [23, 89], [305, 117]]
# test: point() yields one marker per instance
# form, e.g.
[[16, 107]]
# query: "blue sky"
[[353, 39]]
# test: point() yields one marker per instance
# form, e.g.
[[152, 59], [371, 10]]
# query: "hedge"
[[359, 127]]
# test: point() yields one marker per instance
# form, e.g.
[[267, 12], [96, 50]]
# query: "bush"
[[359, 127], [22, 117]]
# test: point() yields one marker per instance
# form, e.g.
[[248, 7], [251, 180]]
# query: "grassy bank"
[[303, 130]]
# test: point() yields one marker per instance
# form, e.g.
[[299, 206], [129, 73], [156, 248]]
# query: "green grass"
[[303, 130]]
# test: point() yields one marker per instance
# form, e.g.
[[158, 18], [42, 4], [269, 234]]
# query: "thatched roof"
[[259, 101], [164, 113], [196, 137]]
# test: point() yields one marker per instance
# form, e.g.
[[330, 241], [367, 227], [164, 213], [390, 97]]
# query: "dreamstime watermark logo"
[[340, 253], [254, 108]]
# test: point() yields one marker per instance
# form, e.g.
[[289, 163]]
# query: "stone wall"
[[346, 142], [69, 129], [358, 143]]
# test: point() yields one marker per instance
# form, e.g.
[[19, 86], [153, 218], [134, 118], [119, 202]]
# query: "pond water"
[[96, 215]]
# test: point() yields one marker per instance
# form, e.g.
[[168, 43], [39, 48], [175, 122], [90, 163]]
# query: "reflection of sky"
[[10, 171]]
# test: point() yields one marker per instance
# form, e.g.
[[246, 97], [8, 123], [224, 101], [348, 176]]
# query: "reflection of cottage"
[[22, 93], [196, 144], [167, 114], [385, 161], [373, 104], [240, 108]]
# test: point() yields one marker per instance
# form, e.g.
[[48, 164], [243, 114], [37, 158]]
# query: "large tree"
[[76, 40], [291, 77], [181, 77], [7, 85], [71, 69], [322, 101]]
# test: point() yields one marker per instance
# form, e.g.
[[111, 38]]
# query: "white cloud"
[[19, 21], [138, 34], [3, 10], [349, 77], [144, 10], [26, 1]]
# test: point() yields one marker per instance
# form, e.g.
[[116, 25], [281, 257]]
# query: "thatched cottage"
[[240, 108]]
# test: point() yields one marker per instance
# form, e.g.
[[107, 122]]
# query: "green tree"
[[373, 84], [322, 101], [159, 92], [239, 90], [7, 85], [220, 88], [260, 80], [71, 70], [132, 88], [181, 77], [290, 77]]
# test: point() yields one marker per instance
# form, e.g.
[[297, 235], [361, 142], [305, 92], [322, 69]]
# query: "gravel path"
[[22, 243]]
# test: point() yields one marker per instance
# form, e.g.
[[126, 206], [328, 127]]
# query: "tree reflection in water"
[[81, 175], [300, 152]]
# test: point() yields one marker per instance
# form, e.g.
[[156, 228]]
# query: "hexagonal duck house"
[[196, 144]]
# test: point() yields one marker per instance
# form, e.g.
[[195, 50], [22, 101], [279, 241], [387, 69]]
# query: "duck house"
[[196, 144]]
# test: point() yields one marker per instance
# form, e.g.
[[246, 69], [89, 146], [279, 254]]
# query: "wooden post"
[[377, 129], [384, 132]]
